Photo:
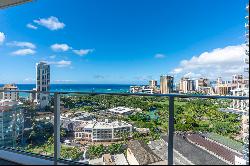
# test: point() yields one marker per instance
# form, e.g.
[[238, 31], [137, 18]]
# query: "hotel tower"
[[42, 83], [166, 84]]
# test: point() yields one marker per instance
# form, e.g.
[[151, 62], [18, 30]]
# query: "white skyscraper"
[[42, 83]]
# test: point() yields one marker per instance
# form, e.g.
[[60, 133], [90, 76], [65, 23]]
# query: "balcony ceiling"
[[8, 3]]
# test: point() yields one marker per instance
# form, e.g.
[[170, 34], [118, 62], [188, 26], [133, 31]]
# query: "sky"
[[122, 41]]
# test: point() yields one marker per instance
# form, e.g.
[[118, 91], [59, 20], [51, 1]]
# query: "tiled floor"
[[4, 162]]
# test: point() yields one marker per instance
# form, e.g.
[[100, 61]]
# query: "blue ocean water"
[[113, 88]]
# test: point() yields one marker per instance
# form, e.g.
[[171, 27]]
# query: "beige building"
[[166, 84], [152, 83], [222, 87], [9, 95], [186, 85], [201, 82]]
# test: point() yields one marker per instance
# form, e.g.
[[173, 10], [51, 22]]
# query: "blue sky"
[[122, 41]]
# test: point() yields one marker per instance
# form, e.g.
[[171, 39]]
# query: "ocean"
[[113, 88]]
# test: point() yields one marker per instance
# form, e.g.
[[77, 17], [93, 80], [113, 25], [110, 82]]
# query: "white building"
[[42, 83], [143, 89], [11, 122], [200, 83], [103, 131], [9, 95], [242, 89], [107, 159], [121, 110], [8, 102], [187, 85]]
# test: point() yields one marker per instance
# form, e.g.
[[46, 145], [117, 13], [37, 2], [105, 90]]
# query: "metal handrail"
[[171, 97], [134, 94]]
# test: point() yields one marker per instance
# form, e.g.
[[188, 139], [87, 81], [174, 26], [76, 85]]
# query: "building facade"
[[152, 83], [245, 116], [201, 82], [9, 95], [222, 88], [103, 131], [186, 85], [11, 124], [42, 83], [166, 84], [240, 87]]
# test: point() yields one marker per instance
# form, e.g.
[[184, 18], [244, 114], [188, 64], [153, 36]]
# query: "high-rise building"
[[9, 95], [201, 82], [222, 87], [42, 83], [186, 85], [245, 116], [152, 83], [237, 79], [241, 88], [166, 84], [219, 80], [11, 123]]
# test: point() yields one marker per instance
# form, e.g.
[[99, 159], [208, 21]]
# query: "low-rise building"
[[144, 89], [7, 102], [143, 130], [121, 110], [107, 159], [102, 131]]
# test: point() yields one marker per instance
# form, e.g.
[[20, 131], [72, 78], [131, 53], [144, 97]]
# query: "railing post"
[[57, 145], [171, 131]]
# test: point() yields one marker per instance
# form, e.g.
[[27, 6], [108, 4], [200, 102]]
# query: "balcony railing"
[[171, 106]]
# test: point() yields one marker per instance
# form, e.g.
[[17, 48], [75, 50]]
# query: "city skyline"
[[125, 48]]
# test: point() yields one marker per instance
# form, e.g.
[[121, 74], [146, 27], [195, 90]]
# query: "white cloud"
[[29, 80], [219, 62], [22, 44], [61, 63], [60, 47], [64, 81], [52, 56], [192, 75], [83, 52], [160, 56], [176, 71], [23, 52], [99, 76], [2, 37], [31, 26], [51, 23], [143, 78]]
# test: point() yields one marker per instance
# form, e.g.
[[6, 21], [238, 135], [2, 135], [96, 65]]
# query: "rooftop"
[[120, 110], [143, 154], [7, 3], [10, 86]]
